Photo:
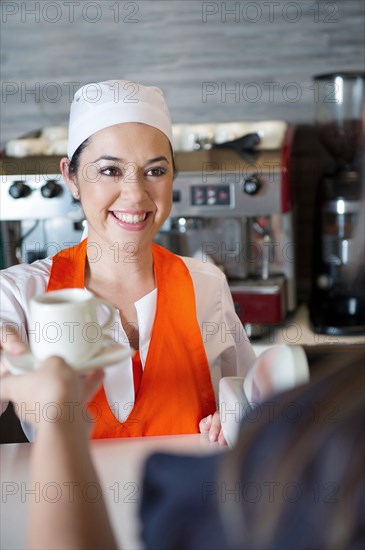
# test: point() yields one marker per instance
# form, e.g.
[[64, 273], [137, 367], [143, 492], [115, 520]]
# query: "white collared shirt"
[[228, 349]]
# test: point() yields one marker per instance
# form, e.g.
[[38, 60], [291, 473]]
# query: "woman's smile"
[[130, 220], [129, 189]]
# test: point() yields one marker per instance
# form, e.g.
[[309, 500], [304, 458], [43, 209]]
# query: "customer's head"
[[300, 462]]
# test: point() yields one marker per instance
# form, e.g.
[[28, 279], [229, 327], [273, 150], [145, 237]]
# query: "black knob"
[[51, 189], [19, 189], [252, 185]]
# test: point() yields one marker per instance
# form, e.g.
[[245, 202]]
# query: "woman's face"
[[124, 181]]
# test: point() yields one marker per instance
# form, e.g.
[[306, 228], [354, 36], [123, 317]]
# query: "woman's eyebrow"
[[108, 157], [157, 159], [117, 159]]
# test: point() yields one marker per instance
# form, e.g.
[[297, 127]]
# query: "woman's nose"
[[133, 184]]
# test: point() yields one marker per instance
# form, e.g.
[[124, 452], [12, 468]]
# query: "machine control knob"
[[51, 189], [252, 185], [19, 190]]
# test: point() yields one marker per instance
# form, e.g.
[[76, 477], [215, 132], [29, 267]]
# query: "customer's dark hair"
[[319, 457]]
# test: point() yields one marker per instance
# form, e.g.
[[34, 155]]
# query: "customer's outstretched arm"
[[75, 516]]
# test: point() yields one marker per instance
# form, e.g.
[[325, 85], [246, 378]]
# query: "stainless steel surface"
[[235, 210], [225, 172], [258, 286], [38, 214], [230, 208], [34, 206]]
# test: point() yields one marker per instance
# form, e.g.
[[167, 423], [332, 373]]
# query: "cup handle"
[[111, 309]]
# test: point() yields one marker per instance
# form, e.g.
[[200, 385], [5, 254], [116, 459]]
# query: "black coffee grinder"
[[337, 302]]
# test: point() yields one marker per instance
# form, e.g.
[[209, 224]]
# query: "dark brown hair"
[[319, 457], [75, 160]]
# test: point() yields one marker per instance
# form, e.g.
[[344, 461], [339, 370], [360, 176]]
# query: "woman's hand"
[[211, 425]]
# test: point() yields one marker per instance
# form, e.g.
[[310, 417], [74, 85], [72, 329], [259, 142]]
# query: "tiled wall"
[[216, 61]]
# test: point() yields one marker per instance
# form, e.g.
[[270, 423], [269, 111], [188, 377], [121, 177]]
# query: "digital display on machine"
[[210, 195]]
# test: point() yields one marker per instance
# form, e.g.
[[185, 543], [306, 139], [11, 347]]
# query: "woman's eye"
[[158, 171], [110, 171]]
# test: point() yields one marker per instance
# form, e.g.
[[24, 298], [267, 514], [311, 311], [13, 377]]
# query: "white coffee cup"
[[65, 323]]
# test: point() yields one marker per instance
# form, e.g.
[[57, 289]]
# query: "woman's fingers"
[[205, 424], [211, 425], [215, 427]]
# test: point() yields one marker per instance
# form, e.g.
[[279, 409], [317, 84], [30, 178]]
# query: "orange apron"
[[175, 391]]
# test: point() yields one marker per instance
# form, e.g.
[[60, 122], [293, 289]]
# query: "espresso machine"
[[234, 208], [232, 205], [337, 303], [38, 215]]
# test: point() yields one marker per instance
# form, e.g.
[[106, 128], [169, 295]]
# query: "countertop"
[[297, 330], [119, 464], [318, 347]]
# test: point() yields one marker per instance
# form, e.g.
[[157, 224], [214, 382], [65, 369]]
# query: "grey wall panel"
[[216, 61]]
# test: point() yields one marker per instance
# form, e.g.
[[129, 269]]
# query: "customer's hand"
[[10, 340], [52, 398], [53, 393], [211, 425]]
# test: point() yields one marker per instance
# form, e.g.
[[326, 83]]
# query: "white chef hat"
[[101, 104]]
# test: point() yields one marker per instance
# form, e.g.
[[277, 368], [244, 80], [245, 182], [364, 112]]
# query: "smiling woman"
[[124, 182], [120, 166]]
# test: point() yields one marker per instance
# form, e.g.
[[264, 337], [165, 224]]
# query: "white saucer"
[[110, 353]]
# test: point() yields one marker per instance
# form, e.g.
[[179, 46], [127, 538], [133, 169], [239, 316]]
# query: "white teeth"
[[130, 218]]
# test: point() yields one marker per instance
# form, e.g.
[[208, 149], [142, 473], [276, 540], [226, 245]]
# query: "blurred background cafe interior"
[[267, 103]]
